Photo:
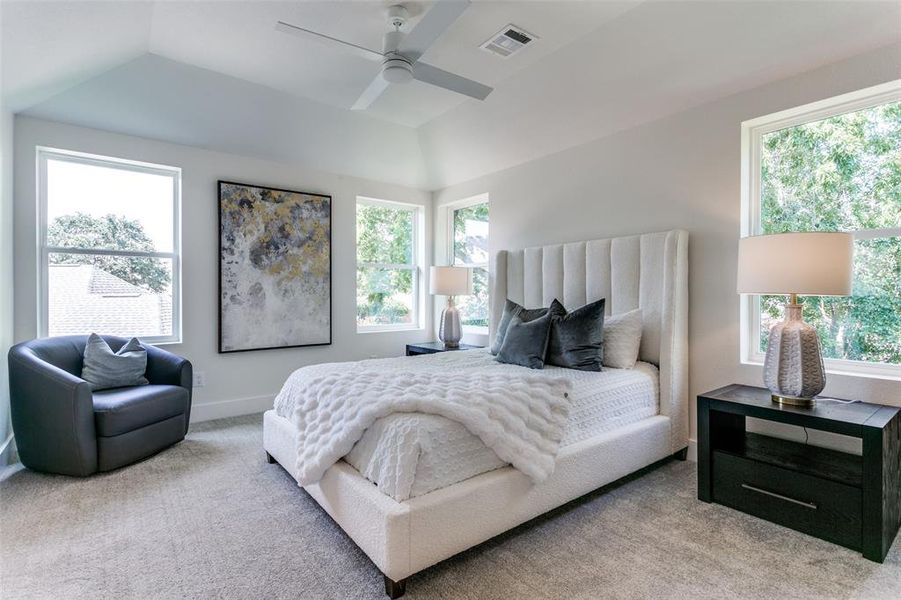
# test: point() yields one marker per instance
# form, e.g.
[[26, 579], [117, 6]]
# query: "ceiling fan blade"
[[428, 74], [328, 41], [441, 16], [371, 93]]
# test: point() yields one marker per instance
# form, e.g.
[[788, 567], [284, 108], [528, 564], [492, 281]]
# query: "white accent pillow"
[[622, 339]]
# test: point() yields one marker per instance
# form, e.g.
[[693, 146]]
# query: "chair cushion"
[[120, 410]]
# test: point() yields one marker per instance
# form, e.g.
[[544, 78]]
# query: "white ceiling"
[[598, 67]]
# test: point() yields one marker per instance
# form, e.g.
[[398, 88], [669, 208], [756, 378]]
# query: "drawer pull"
[[810, 505]]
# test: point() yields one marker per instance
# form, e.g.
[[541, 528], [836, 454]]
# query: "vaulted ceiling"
[[218, 75]]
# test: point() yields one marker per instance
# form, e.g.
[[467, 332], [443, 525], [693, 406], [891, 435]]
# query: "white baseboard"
[[207, 411], [7, 449], [693, 450]]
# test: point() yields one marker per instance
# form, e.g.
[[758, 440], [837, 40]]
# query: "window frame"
[[415, 266], [752, 132], [43, 154], [451, 208]]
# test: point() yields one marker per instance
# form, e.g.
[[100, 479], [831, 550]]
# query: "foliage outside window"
[[109, 247], [470, 249], [839, 172], [387, 265]]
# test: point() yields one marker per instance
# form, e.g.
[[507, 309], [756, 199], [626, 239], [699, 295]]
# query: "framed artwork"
[[275, 268]]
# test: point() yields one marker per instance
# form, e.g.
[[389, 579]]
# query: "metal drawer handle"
[[780, 496]]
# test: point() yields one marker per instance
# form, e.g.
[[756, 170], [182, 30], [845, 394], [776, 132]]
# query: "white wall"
[[679, 172], [236, 383], [6, 275]]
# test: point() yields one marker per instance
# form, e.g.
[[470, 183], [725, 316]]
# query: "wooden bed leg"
[[681, 454], [395, 589], [269, 459]]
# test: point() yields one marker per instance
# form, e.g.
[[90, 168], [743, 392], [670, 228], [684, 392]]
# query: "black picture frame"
[[221, 348]]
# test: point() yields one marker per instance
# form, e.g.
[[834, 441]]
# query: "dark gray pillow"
[[104, 368], [512, 309], [525, 343], [577, 338]]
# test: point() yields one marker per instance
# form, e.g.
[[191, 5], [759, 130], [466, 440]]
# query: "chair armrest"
[[52, 415], [165, 368]]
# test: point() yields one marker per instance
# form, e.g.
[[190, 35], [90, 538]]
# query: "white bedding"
[[411, 454]]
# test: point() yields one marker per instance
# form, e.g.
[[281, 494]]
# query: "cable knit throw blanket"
[[520, 417]]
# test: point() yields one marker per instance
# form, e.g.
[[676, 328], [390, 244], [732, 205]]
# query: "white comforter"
[[519, 415]]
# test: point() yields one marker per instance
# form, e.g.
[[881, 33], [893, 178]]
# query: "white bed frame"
[[648, 271]]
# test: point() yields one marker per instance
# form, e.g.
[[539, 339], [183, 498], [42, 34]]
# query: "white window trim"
[[43, 251], [751, 133], [415, 266], [449, 218]]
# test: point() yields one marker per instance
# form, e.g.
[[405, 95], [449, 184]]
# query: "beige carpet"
[[210, 519]]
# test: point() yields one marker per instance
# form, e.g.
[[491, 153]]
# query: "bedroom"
[[614, 120]]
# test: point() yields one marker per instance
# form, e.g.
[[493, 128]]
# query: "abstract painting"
[[275, 268]]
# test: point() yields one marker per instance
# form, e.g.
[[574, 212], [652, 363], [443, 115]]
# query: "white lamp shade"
[[811, 264], [450, 281]]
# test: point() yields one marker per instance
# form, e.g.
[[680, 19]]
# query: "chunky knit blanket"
[[520, 417]]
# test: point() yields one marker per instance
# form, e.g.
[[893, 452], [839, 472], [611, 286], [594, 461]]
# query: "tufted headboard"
[[649, 271]]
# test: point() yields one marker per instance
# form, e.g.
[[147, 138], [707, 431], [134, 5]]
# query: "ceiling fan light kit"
[[401, 52]]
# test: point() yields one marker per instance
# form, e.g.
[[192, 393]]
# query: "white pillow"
[[622, 339]]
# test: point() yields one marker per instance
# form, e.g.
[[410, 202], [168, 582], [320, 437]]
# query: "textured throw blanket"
[[520, 417]]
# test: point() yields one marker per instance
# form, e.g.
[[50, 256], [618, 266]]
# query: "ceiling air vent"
[[508, 41]]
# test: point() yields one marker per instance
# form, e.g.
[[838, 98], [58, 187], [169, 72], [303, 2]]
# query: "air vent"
[[508, 41]]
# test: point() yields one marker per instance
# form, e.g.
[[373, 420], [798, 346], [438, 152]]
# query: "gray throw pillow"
[[577, 338], [512, 309], [525, 343], [104, 368]]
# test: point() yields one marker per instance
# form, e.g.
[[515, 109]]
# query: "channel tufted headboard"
[[649, 271]]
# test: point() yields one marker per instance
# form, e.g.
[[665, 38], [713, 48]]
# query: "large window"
[[388, 265], [469, 240], [834, 166], [109, 237]]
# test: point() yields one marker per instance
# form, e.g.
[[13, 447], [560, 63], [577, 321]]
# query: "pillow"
[[512, 309], [577, 338], [525, 342], [622, 339], [104, 368]]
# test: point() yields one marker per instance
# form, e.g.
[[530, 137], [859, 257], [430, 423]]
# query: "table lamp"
[[450, 282], [809, 264]]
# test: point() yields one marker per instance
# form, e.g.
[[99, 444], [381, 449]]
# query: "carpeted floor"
[[210, 519]]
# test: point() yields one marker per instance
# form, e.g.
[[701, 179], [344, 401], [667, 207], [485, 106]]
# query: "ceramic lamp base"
[[450, 331], [793, 368]]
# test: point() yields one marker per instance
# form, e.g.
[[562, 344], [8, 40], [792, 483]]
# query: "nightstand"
[[435, 347], [848, 499]]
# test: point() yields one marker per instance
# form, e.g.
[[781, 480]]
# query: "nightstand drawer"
[[819, 507]]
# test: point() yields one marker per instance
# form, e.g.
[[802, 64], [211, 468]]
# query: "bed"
[[410, 502]]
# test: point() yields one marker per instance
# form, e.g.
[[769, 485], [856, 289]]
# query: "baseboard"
[[693, 450], [7, 450], [207, 411]]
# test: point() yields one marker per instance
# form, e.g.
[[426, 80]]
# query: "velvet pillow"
[[577, 338], [104, 368], [525, 343], [512, 309]]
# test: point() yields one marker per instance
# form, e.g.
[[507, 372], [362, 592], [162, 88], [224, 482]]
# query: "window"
[[469, 248], [388, 265], [834, 165], [109, 241]]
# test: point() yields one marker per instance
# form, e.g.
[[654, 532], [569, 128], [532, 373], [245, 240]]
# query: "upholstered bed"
[[448, 499]]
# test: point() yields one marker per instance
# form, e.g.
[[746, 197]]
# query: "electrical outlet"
[[199, 379]]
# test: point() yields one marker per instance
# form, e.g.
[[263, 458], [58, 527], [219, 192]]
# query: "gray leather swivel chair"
[[61, 426]]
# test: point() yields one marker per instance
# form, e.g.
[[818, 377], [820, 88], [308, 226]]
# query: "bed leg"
[[395, 589], [269, 459], [681, 454]]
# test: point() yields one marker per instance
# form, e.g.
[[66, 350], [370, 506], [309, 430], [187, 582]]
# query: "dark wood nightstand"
[[434, 347], [847, 499]]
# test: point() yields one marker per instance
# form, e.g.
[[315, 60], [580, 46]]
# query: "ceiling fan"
[[401, 52]]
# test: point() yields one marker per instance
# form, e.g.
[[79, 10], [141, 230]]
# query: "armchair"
[[62, 426]]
